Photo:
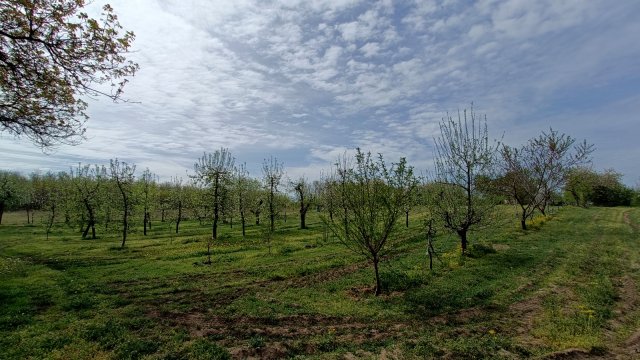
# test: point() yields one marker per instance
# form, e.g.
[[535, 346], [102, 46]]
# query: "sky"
[[305, 81]]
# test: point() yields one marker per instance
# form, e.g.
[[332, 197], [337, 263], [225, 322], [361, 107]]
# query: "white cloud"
[[309, 79]]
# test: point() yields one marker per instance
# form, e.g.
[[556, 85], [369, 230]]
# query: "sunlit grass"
[[90, 298]]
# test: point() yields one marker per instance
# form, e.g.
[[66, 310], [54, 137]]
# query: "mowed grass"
[[571, 282]]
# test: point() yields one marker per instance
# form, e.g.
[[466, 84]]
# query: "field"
[[567, 288]]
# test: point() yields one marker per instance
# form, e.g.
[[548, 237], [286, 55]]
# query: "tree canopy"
[[52, 57]]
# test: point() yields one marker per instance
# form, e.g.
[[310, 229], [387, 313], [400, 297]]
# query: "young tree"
[[463, 155], [88, 181], [241, 189], [518, 181], [122, 175], [52, 56], [177, 199], [272, 172], [163, 199], [55, 188], [305, 196], [551, 156], [373, 199], [148, 191], [255, 198], [214, 170]]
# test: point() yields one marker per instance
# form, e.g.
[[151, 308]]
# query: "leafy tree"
[[241, 190], [55, 189], [255, 198], [148, 190], [580, 184], [373, 200], [463, 155], [52, 55], [177, 199], [215, 170], [610, 191], [9, 191], [88, 181], [519, 182], [123, 175]]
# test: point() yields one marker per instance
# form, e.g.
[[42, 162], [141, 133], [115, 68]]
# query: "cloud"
[[307, 80]]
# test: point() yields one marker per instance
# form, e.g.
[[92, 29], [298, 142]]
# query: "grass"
[[570, 282]]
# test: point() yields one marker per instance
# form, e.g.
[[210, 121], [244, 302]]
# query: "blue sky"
[[307, 80]]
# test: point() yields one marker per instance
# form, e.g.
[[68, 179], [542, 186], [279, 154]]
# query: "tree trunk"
[[86, 231], [523, 220], [179, 216], [1, 211], [463, 240], [303, 218], [214, 230], [145, 223], [242, 220], [125, 221], [378, 290], [52, 217], [406, 218]]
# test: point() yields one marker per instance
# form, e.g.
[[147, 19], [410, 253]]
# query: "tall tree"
[[52, 56], [463, 155], [215, 170], [373, 201], [123, 175], [272, 173]]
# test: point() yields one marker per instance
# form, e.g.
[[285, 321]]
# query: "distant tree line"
[[361, 199]]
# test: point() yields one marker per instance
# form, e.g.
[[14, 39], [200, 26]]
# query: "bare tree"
[[214, 170], [463, 155], [373, 197], [305, 196], [272, 171], [551, 155], [122, 175]]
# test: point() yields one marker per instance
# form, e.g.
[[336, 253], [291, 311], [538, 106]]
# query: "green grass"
[[571, 281]]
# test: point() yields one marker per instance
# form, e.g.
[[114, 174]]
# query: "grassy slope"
[[569, 283]]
